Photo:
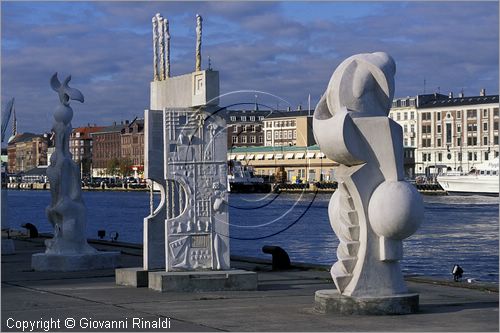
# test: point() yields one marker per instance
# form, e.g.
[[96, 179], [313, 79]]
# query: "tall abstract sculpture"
[[374, 209], [199, 21], [68, 249]]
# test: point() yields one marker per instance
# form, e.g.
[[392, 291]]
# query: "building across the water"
[[447, 132]]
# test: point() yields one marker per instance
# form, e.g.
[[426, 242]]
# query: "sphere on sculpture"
[[395, 210]]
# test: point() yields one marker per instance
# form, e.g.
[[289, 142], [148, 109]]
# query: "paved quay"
[[284, 301]]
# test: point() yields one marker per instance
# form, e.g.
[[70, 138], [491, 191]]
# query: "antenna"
[[424, 85]]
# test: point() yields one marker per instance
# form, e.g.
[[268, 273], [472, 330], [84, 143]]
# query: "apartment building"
[[244, 127], [289, 128]]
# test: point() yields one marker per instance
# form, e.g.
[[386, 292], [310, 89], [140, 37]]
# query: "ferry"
[[482, 180]]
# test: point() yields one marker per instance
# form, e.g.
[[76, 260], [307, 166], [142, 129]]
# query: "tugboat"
[[241, 179]]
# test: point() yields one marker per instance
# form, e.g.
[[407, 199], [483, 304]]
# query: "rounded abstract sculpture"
[[374, 209]]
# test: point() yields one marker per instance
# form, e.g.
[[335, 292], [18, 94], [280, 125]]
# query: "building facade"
[[244, 127], [289, 128], [81, 146], [132, 144], [27, 151], [106, 147], [447, 132]]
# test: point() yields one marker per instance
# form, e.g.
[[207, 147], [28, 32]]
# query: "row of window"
[[471, 127], [246, 128], [403, 103], [244, 118], [471, 141], [280, 123], [471, 156], [243, 139], [284, 134]]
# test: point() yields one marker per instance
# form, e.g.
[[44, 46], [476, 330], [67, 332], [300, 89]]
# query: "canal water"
[[456, 230]]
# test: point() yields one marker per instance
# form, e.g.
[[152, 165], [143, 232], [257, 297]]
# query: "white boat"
[[482, 180]]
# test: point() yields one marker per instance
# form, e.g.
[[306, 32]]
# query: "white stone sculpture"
[[154, 20], [166, 35], [199, 21], [68, 249], [161, 34], [374, 209]]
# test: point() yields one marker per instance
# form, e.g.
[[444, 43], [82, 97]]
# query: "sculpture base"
[[200, 281], [331, 301], [67, 263], [7, 246], [132, 277]]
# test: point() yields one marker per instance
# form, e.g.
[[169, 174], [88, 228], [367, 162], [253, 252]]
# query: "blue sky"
[[287, 49]]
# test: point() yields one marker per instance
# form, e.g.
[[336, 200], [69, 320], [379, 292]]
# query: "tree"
[[112, 166], [125, 166]]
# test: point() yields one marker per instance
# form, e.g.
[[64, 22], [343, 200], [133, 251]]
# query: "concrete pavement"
[[284, 301]]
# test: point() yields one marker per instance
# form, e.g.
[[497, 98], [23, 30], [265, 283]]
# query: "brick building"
[[244, 127], [106, 145], [132, 143], [81, 145]]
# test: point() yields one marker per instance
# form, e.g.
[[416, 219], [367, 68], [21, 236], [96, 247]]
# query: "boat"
[[481, 180], [241, 179]]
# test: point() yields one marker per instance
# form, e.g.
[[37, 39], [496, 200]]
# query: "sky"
[[284, 50]]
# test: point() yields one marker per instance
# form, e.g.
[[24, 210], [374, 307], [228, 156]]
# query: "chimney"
[[461, 95], [289, 109], [482, 92], [450, 95], [299, 108]]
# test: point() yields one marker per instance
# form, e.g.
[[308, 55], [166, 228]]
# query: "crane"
[[6, 116]]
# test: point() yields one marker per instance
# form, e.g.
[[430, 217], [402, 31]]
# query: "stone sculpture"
[[154, 20], [166, 34], [374, 209], [68, 249], [199, 21], [161, 48]]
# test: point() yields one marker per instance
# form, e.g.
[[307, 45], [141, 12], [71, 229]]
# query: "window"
[[405, 128], [485, 113], [485, 126], [406, 142], [295, 134], [426, 116], [485, 141], [261, 118], [398, 116], [276, 133], [426, 129], [252, 139], [472, 113], [495, 125], [438, 128], [472, 141], [495, 139], [290, 134], [459, 141], [439, 142], [495, 112], [251, 128], [426, 142], [235, 129], [252, 118], [261, 138], [438, 116], [244, 139], [486, 156], [412, 115], [459, 114], [268, 135], [412, 128], [472, 127], [412, 142], [459, 128], [285, 135], [469, 156], [243, 118], [448, 133], [405, 115], [440, 157], [233, 118], [235, 139]]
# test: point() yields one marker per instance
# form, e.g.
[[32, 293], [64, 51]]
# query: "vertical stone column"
[[199, 21], [161, 37], [155, 48], [166, 34]]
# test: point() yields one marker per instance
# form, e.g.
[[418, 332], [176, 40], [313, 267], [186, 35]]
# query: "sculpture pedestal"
[[331, 301], [77, 262], [132, 277], [200, 281]]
